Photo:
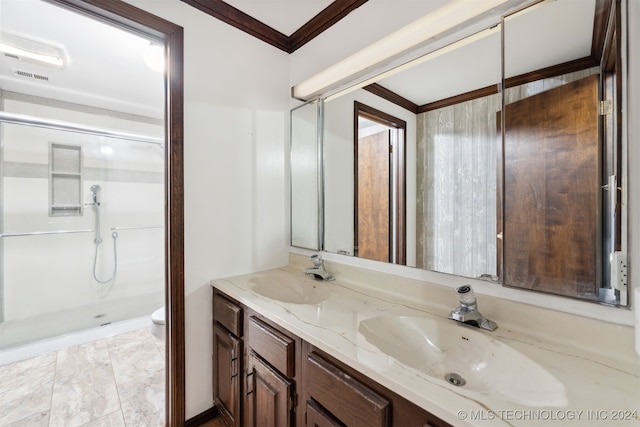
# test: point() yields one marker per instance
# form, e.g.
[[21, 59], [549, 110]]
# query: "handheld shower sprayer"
[[95, 190]]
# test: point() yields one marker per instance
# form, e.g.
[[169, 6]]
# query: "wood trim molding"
[[240, 20], [244, 22], [600, 24], [376, 115], [567, 67], [322, 21], [474, 94], [124, 15], [555, 70], [392, 97], [202, 417], [174, 232]]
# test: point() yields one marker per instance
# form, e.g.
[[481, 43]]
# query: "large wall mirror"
[[498, 157], [428, 133]]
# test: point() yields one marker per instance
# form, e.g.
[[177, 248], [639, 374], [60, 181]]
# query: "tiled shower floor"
[[114, 381]]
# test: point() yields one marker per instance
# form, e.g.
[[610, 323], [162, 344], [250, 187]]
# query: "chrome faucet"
[[318, 271], [467, 312]]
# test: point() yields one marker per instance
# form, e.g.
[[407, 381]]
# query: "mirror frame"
[[319, 132]]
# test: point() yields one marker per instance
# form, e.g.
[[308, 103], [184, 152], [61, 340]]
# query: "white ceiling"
[[544, 35], [106, 67], [562, 31], [449, 72]]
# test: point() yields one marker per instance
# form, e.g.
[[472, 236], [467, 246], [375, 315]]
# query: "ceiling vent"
[[32, 51], [29, 75]]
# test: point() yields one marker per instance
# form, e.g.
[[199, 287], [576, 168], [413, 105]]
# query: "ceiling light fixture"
[[431, 25], [28, 50], [19, 54]]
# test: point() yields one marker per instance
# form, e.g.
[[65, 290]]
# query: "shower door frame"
[[133, 19]]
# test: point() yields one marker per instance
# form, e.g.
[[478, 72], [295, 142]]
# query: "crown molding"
[[244, 22]]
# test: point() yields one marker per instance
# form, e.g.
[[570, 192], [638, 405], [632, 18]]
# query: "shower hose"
[[115, 260]]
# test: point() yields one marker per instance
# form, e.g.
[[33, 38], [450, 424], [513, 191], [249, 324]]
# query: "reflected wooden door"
[[372, 221], [551, 190]]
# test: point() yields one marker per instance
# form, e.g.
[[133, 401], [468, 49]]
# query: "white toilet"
[[158, 323]]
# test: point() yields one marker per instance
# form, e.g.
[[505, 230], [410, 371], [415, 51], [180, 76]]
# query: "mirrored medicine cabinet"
[[498, 157], [306, 175]]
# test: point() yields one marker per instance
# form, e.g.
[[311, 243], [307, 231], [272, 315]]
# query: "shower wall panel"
[[54, 273]]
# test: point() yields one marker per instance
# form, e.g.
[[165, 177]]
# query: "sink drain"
[[455, 379]]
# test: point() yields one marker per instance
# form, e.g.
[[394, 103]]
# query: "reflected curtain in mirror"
[[457, 194]]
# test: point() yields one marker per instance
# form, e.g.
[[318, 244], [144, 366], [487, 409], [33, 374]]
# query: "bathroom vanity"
[[291, 350], [266, 376]]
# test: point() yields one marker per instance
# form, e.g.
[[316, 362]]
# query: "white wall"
[[236, 110]]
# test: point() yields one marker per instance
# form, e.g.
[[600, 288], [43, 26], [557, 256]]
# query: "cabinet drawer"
[[353, 403], [318, 417], [272, 345], [228, 314]]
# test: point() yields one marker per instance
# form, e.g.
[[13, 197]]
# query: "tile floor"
[[114, 381]]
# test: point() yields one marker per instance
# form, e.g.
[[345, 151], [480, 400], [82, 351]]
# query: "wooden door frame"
[[133, 19], [401, 208]]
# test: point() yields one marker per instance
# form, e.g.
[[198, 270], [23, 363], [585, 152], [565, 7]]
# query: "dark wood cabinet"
[[265, 376], [343, 396], [349, 398], [317, 416], [273, 345], [228, 358], [227, 354], [269, 397]]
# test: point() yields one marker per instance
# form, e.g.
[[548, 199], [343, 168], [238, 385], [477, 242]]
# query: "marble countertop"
[[600, 390]]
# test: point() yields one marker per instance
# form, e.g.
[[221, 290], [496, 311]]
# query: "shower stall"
[[81, 217], [82, 172]]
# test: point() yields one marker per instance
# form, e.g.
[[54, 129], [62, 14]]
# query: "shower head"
[[95, 189]]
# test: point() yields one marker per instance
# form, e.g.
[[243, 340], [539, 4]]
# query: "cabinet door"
[[226, 367], [269, 395]]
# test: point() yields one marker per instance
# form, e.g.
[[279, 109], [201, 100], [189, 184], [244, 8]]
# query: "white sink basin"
[[294, 290], [488, 367]]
